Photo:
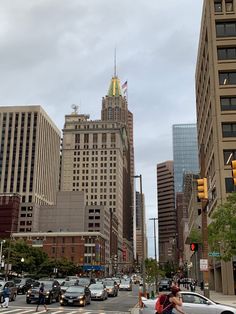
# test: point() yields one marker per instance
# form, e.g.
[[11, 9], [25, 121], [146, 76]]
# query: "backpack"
[[162, 300]]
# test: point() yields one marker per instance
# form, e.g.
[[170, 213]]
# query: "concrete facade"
[[30, 160], [216, 114], [67, 215], [166, 212]]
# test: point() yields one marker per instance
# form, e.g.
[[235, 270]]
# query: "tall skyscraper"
[[96, 158], [216, 114], [29, 160], [185, 152], [166, 212]]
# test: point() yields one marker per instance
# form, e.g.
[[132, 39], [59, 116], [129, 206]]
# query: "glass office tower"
[[185, 152]]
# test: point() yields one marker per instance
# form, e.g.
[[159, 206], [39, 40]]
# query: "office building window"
[[227, 78], [226, 53], [229, 129], [229, 5], [229, 186], [225, 29], [218, 5], [228, 103], [229, 155]]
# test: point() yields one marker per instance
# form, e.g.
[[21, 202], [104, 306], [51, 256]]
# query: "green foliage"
[[222, 230], [152, 270], [195, 236], [31, 260]]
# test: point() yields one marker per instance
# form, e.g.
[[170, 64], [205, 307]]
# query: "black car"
[[76, 295], [23, 284], [52, 291], [164, 285], [12, 287]]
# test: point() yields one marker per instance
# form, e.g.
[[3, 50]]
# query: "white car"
[[193, 303], [125, 284]]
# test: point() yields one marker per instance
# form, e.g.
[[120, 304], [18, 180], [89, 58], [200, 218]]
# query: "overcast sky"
[[60, 52]]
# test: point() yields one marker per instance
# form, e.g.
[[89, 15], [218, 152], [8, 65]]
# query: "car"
[[98, 291], [164, 285], [23, 284], [112, 287], [193, 303], [12, 287], [68, 283], [76, 295], [52, 290], [125, 284], [85, 281]]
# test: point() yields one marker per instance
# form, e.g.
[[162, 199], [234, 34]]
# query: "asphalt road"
[[121, 304]]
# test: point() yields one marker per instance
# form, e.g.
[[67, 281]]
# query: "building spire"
[[115, 62]]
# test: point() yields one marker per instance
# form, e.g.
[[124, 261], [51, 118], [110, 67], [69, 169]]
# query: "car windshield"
[[84, 281], [124, 281], [68, 283], [164, 282], [109, 283], [96, 286], [17, 280], [75, 289]]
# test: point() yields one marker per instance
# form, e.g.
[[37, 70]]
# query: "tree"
[[152, 270], [222, 229]]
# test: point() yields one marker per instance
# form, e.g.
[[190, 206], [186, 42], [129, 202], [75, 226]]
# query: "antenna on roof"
[[75, 108]]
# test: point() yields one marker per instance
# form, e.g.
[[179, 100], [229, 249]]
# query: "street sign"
[[214, 254], [203, 264]]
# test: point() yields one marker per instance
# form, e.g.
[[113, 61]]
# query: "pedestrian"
[[202, 285], [171, 301], [6, 296], [41, 300]]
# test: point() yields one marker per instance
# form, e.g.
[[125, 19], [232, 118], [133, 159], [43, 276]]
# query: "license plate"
[[70, 301]]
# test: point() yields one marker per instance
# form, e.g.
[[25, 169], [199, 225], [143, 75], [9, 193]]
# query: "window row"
[[218, 6]]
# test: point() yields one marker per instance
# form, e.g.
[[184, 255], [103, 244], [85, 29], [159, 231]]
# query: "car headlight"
[[48, 292], [63, 296], [80, 297]]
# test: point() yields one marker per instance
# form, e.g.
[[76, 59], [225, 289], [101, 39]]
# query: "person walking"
[[41, 300], [6, 296]]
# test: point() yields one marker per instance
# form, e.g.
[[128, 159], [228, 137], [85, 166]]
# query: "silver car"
[[193, 303], [98, 291]]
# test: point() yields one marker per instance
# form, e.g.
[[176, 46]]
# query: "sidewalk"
[[219, 297]]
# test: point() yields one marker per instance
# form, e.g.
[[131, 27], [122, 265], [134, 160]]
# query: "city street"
[[125, 301]]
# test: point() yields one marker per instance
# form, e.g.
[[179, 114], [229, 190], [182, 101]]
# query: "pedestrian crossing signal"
[[194, 247]]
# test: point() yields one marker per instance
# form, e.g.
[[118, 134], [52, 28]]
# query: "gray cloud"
[[58, 52]]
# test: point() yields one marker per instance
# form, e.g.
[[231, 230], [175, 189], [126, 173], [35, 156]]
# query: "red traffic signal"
[[194, 247]]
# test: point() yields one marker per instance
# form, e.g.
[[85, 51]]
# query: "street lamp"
[[155, 245], [143, 235], [2, 242], [22, 261]]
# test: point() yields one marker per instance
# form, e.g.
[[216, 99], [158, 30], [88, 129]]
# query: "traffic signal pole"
[[204, 227]]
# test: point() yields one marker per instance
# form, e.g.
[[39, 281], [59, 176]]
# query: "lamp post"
[[155, 245], [22, 263], [143, 235], [1, 244]]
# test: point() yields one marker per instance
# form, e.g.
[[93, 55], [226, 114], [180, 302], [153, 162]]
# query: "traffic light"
[[202, 188], [194, 247], [233, 165]]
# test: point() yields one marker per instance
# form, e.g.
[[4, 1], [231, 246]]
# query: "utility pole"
[[204, 228], [155, 248]]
